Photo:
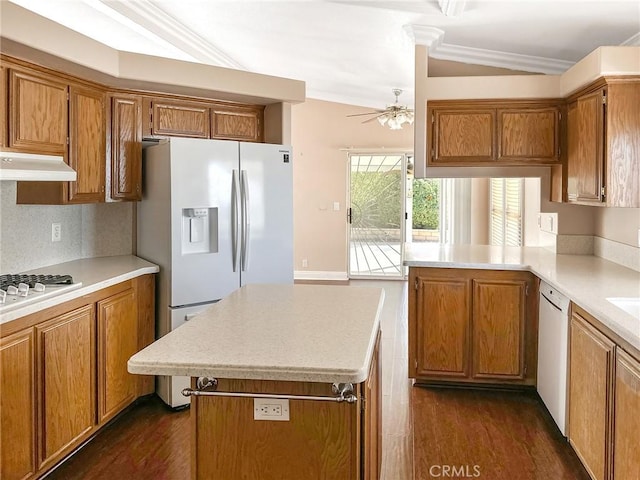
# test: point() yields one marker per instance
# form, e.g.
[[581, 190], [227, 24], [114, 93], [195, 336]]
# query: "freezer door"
[[204, 180], [169, 389], [266, 185]]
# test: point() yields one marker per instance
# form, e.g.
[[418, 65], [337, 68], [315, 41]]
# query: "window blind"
[[506, 211]]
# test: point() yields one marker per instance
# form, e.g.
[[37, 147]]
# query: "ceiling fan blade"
[[372, 119], [368, 113]]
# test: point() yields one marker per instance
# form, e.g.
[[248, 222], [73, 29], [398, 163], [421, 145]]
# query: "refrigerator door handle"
[[234, 218], [246, 223]]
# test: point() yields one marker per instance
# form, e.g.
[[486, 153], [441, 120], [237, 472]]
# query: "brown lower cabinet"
[[472, 326], [626, 441], [17, 406], [322, 440], [64, 374], [65, 365], [604, 402]]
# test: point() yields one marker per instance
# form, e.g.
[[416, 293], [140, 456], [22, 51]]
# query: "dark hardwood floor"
[[496, 434], [148, 441], [508, 435]]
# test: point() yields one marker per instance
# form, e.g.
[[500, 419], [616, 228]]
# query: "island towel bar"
[[343, 391]]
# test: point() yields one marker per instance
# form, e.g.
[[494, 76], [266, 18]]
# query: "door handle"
[[246, 221], [234, 219], [349, 215]]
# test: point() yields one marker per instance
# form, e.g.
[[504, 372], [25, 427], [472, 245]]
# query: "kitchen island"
[[286, 382]]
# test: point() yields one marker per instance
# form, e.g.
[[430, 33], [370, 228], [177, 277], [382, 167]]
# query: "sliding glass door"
[[377, 215]]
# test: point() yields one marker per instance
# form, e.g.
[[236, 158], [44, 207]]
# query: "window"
[[506, 211]]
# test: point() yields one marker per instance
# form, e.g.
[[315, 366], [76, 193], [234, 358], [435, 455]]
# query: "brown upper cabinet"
[[99, 131], [603, 140], [183, 118], [237, 123], [38, 113], [3, 106], [87, 144], [488, 132], [125, 168], [178, 118]]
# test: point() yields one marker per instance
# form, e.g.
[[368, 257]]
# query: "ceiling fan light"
[[382, 119]]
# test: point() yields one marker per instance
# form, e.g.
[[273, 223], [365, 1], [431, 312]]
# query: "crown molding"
[[432, 37], [493, 58], [158, 22], [632, 41], [452, 8], [425, 35]]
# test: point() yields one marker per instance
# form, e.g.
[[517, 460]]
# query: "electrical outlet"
[[305, 263], [56, 232], [271, 409]]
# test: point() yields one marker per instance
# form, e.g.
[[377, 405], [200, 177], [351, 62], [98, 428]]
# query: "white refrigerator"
[[215, 215]]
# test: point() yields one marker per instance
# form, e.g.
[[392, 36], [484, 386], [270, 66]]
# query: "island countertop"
[[307, 333], [589, 281]]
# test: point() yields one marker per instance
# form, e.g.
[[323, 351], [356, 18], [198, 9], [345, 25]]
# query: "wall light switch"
[[336, 206]]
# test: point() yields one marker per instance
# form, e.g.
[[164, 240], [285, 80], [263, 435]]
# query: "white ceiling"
[[352, 52]]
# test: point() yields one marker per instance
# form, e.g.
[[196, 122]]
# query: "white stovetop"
[[587, 280], [314, 333]]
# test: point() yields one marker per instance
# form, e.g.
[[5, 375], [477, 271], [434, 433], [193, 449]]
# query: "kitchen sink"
[[631, 305]]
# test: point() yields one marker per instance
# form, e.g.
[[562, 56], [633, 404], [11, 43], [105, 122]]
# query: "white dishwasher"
[[553, 346]]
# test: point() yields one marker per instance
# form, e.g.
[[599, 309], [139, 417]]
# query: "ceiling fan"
[[395, 115]]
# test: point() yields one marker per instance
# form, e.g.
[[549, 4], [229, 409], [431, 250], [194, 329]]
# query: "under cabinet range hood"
[[33, 167]]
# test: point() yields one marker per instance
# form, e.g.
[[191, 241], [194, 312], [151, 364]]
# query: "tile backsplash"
[[92, 230]]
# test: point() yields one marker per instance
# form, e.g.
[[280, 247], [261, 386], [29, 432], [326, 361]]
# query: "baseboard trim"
[[320, 275]]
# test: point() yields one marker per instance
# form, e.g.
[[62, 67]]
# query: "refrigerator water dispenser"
[[199, 230]]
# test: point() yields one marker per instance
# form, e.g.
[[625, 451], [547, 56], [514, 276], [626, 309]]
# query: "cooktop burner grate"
[[31, 280]]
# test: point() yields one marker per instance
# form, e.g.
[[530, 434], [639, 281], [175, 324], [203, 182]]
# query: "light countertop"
[[94, 274], [308, 333], [587, 280]]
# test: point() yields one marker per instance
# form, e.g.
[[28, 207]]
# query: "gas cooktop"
[[18, 290], [31, 280]]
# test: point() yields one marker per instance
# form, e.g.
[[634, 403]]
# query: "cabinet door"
[[499, 315], [585, 162], [442, 327], [529, 134], [126, 148], [623, 145], [38, 113], [626, 447], [590, 388], [242, 124], [4, 99], [17, 406], [117, 342], [180, 119], [66, 375], [87, 144], [463, 136], [372, 419]]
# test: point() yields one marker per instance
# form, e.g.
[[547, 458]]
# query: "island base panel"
[[320, 441]]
